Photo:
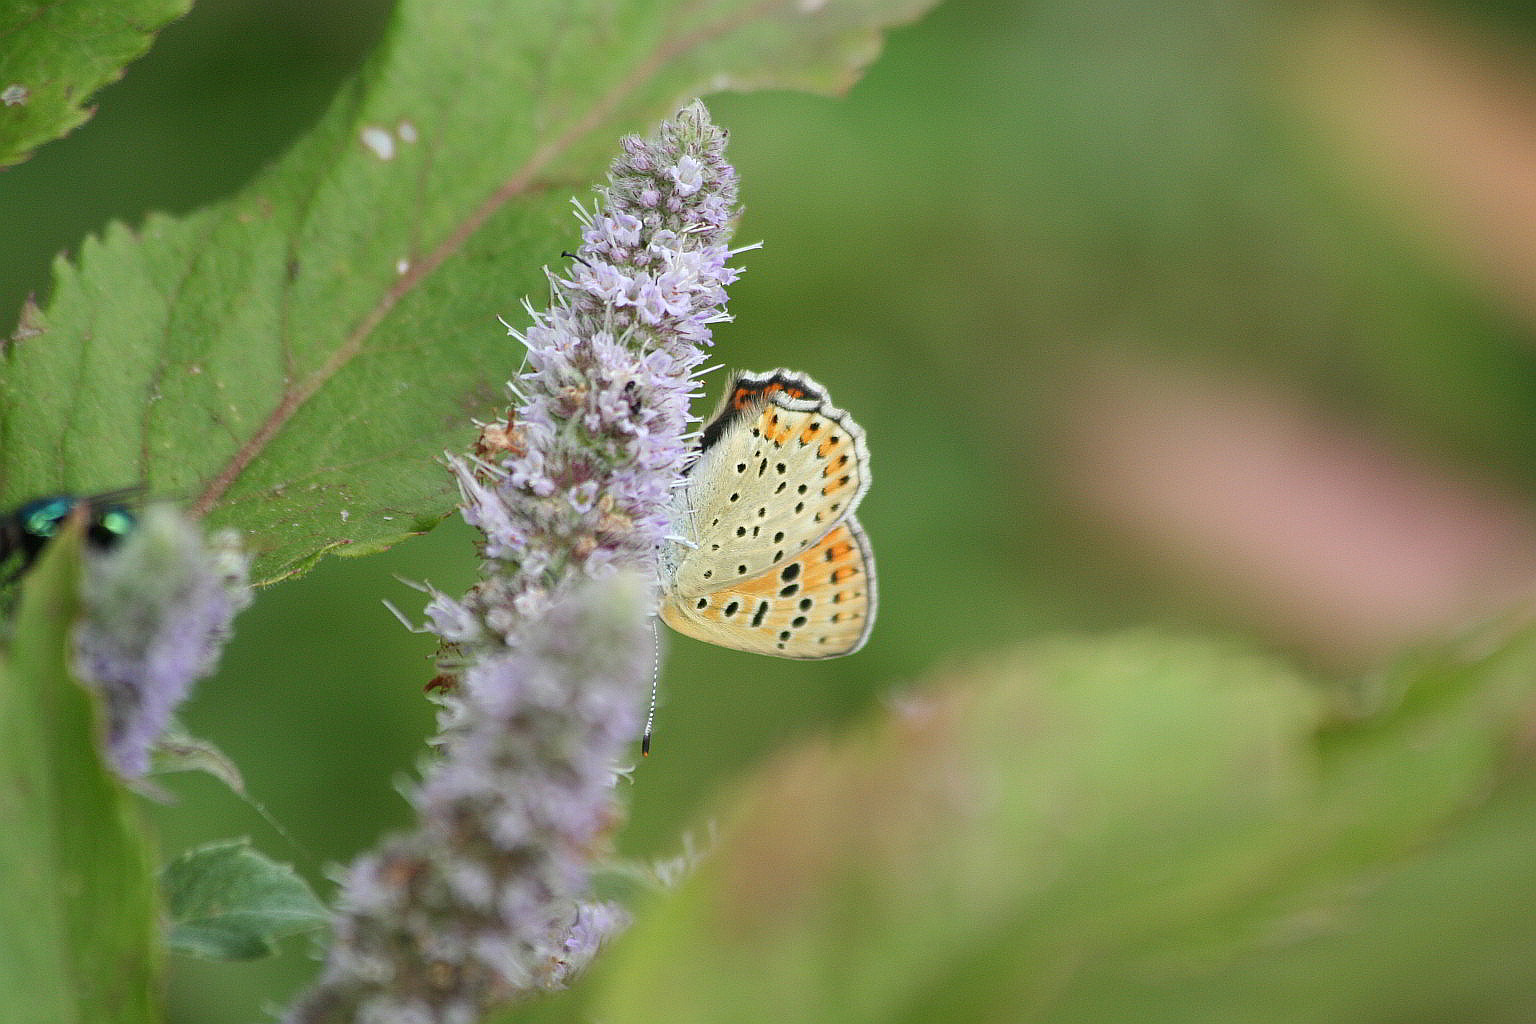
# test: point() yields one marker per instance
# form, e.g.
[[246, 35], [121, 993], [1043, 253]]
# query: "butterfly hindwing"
[[817, 604]]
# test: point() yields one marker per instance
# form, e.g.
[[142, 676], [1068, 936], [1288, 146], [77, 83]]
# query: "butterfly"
[[770, 557]]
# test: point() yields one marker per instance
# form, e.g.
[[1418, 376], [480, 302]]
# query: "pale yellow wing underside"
[[819, 604]]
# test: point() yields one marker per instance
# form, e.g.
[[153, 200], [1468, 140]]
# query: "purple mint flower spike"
[[157, 611], [489, 899], [580, 477]]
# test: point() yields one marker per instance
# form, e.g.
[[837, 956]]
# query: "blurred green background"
[[1213, 315]]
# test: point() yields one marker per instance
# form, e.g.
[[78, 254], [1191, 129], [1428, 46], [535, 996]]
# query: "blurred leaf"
[[179, 751], [295, 359], [77, 907], [229, 902], [1036, 840], [53, 56]]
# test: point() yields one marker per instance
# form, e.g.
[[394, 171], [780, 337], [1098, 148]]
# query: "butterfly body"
[[772, 559]]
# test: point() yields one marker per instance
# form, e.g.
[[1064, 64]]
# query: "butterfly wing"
[[778, 564], [819, 603]]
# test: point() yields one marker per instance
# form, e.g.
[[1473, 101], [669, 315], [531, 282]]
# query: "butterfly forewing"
[[768, 489], [817, 604]]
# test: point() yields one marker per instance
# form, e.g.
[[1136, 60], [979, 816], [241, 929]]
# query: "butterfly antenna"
[[650, 715]]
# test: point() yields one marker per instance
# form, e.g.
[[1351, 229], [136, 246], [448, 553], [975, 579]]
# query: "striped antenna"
[[650, 715]]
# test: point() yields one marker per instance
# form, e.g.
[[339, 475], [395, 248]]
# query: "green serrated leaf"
[[54, 56], [78, 913], [229, 902], [294, 360], [1116, 831]]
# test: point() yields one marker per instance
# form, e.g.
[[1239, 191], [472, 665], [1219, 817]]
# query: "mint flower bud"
[[552, 651], [157, 609]]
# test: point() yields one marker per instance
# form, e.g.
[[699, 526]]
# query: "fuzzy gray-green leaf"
[[229, 902], [1126, 829]]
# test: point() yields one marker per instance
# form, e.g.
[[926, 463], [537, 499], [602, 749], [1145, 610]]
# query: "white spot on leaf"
[[379, 142], [15, 95]]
